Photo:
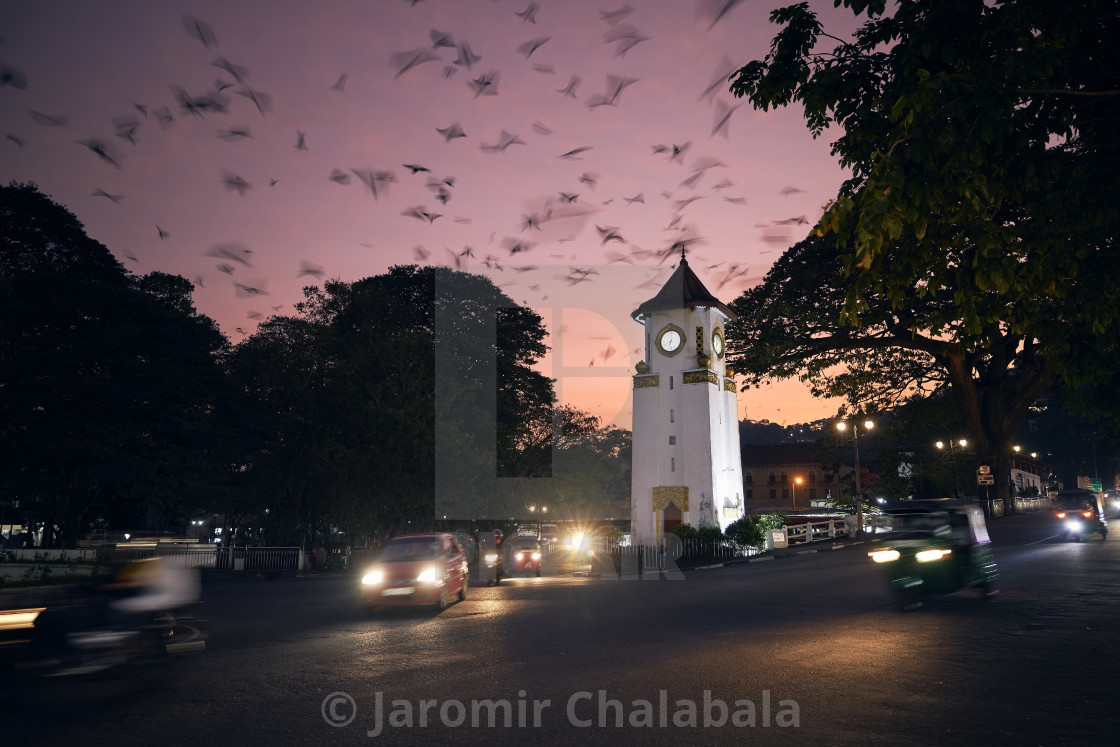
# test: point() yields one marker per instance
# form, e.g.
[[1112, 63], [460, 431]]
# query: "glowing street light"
[[868, 425], [796, 481], [962, 443], [540, 517]]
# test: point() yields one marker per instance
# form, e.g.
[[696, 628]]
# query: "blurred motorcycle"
[[130, 625]]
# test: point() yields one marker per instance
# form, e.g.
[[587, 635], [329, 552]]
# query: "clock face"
[[717, 343], [670, 340]]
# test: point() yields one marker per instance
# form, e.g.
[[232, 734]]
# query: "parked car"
[[1080, 514], [416, 569], [523, 556]]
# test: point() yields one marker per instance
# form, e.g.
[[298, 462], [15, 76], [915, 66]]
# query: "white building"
[[686, 462]]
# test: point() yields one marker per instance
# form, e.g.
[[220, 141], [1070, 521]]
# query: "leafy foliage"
[[122, 407], [970, 251], [973, 125], [686, 532], [746, 531], [109, 383]]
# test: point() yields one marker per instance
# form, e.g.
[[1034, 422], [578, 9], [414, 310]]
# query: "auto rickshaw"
[[1080, 514], [936, 547]]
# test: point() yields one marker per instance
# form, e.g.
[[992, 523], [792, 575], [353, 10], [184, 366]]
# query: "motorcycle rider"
[[153, 585], [139, 592]]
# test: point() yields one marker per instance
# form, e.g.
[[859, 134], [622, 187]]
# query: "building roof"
[[683, 290]]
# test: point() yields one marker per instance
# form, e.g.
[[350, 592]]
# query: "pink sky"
[[91, 64]]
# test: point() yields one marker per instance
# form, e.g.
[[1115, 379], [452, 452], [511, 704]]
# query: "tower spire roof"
[[683, 290]]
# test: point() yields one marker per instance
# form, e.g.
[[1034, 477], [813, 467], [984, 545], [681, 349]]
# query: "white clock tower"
[[686, 462]]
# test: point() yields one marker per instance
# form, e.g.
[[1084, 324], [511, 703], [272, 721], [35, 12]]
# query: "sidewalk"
[[803, 548], [605, 566]]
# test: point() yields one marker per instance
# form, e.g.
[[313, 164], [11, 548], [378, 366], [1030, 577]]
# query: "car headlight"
[[373, 577], [884, 556], [536, 556], [491, 557], [427, 576], [1073, 526], [928, 556], [520, 556]]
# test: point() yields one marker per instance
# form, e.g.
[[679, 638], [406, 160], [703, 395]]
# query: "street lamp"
[[796, 481], [868, 425], [543, 510], [941, 445]]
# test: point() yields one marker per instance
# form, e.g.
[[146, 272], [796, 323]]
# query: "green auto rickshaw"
[[936, 547]]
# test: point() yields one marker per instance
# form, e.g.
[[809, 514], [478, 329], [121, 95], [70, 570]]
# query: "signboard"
[[984, 470], [777, 539], [985, 480], [1091, 483]]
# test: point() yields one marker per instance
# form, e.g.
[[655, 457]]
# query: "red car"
[[417, 569]]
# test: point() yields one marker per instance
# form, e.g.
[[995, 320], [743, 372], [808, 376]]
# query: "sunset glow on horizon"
[[322, 141]]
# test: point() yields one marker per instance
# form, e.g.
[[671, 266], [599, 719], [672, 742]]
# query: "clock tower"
[[686, 463]]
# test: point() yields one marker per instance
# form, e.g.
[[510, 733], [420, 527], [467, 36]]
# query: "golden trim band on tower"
[[678, 494], [700, 377]]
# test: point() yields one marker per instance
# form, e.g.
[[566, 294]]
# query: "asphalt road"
[[807, 649]]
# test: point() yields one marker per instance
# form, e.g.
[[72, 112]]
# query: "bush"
[[710, 535], [746, 531], [686, 532], [775, 520]]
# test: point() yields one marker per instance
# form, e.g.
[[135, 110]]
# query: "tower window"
[[671, 420], [672, 465], [670, 382], [672, 440], [750, 494]]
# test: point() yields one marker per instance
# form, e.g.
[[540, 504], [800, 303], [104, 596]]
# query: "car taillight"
[[1087, 514], [1061, 514]]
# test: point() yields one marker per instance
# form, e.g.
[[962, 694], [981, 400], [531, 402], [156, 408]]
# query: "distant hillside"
[[765, 432]]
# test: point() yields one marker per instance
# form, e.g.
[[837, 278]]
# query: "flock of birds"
[[545, 224]]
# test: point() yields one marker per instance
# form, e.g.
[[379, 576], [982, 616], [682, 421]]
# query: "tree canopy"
[[121, 407], [107, 380], [990, 129], [972, 247]]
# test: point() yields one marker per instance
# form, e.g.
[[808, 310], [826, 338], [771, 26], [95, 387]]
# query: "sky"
[[259, 147]]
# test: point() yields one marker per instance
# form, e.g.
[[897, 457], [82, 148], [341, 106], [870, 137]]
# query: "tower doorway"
[[671, 517]]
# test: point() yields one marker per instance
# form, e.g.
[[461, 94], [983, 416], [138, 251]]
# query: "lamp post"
[[962, 443], [533, 510], [796, 481], [842, 426]]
